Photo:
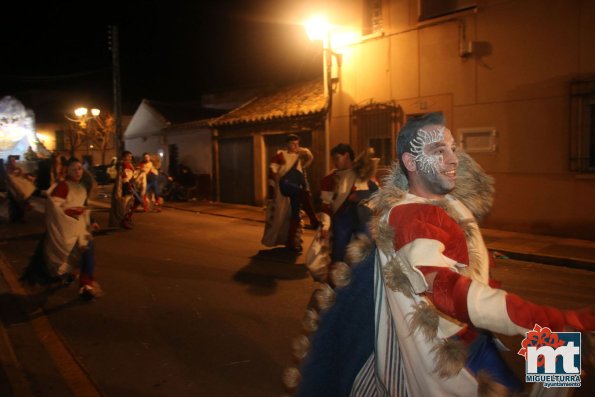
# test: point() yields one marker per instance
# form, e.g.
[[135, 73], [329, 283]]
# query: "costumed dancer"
[[125, 198], [343, 214], [286, 187], [150, 173], [67, 246], [415, 316], [20, 187]]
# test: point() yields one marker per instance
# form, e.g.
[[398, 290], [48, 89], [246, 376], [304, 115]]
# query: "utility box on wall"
[[477, 140]]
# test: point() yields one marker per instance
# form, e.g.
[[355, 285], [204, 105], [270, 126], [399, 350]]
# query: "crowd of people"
[[135, 186], [65, 252], [344, 194], [406, 305]]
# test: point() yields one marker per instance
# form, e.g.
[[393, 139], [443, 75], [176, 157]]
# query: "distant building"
[[246, 138], [156, 126]]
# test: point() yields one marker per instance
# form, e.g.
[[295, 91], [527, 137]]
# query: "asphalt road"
[[194, 306], [191, 308]]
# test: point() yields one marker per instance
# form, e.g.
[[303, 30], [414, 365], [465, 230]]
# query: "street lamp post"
[[84, 115], [318, 29], [114, 46]]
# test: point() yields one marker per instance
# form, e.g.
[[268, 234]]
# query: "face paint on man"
[[427, 161], [435, 157]]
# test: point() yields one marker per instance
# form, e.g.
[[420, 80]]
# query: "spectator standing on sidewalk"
[[287, 193], [67, 247]]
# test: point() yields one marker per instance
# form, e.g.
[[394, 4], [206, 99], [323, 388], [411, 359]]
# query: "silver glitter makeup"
[[427, 163]]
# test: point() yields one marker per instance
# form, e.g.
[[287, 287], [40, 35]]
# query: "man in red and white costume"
[[283, 224], [434, 303], [68, 244], [436, 272]]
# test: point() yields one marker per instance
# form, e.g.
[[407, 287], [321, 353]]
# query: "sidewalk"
[[522, 246]]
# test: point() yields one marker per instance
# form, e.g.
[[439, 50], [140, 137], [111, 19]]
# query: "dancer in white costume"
[[67, 248], [287, 191]]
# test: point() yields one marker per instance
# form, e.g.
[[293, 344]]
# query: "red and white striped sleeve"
[[434, 245]]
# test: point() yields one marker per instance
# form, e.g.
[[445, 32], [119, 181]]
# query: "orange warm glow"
[[317, 27]]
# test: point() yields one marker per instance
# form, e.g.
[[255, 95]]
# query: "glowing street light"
[[90, 129], [317, 28], [80, 112], [83, 116]]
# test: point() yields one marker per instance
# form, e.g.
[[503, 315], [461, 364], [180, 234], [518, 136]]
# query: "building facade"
[[245, 140], [514, 80]]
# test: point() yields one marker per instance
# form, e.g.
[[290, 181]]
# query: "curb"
[[575, 263]]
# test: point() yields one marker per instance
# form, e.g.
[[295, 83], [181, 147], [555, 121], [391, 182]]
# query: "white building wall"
[[150, 145], [194, 149]]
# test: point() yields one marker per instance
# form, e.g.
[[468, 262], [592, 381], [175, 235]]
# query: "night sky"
[[56, 55]]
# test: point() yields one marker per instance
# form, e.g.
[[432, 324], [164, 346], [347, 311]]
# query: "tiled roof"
[[191, 125], [301, 99]]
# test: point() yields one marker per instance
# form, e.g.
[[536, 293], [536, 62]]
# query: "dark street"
[[190, 308], [194, 306]]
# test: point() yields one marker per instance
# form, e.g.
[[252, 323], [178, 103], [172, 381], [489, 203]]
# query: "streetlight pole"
[[317, 29], [328, 88], [83, 117], [115, 48]]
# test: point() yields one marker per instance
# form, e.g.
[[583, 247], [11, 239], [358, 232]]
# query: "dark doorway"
[[236, 171]]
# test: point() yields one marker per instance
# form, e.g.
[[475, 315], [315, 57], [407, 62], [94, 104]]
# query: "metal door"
[[236, 171]]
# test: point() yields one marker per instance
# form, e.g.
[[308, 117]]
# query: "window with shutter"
[[375, 125]]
